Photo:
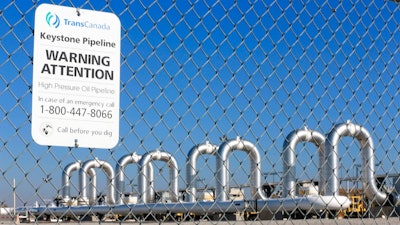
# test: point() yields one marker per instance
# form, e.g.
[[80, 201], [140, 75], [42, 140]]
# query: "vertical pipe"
[[109, 171], [120, 176], [289, 158], [93, 182], [222, 190], [368, 165], [145, 196], [66, 180], [191, 167]]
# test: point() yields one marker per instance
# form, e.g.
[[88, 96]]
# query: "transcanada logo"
[[86, 24], [52, 20]]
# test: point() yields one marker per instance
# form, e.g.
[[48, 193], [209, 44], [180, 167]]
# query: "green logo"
[[52, 20]]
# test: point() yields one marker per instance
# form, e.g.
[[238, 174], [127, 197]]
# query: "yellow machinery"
[[357, 207]]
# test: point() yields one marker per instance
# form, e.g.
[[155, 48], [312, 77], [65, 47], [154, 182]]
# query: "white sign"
[[76, 77]]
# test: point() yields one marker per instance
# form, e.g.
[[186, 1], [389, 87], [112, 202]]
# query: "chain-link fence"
[[306, 91]]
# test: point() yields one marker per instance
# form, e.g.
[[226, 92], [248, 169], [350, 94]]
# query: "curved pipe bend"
[[222, 190], [66, 180], [108, 170], [191, 167], [289, 158], [120, 174], [144, 189], [368, 165]]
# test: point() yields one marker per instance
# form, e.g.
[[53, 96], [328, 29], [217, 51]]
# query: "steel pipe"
[[201, 208], [108, 170], [140, 209], [315, 202], [66, 181], [144, 188], [368, 165], [191, 167], [120, 174], [222, 190], [289, 158]]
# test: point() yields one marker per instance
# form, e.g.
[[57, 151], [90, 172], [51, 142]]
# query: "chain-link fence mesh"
[[307, 91]]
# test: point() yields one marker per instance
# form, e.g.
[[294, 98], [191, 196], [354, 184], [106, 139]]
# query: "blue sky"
[[196, 71]]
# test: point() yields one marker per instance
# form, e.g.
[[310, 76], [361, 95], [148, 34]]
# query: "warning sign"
[[76, 77]]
